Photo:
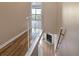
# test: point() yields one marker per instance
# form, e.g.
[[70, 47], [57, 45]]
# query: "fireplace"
[[49, 38]]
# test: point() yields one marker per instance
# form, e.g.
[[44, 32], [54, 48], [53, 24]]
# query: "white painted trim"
[[12, 39]]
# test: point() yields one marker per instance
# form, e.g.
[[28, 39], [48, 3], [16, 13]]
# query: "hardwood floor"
[[18, 47], [45, 49]]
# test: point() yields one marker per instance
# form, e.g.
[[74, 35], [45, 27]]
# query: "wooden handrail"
[[59, 39]]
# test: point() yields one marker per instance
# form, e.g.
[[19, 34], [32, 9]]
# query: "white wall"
[[13, 19], [51, 17], [70, 17]]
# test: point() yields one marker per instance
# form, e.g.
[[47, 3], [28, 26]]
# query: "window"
[[33, 11], [38, 11], [36, 14], [33, 17], [38, 17]]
